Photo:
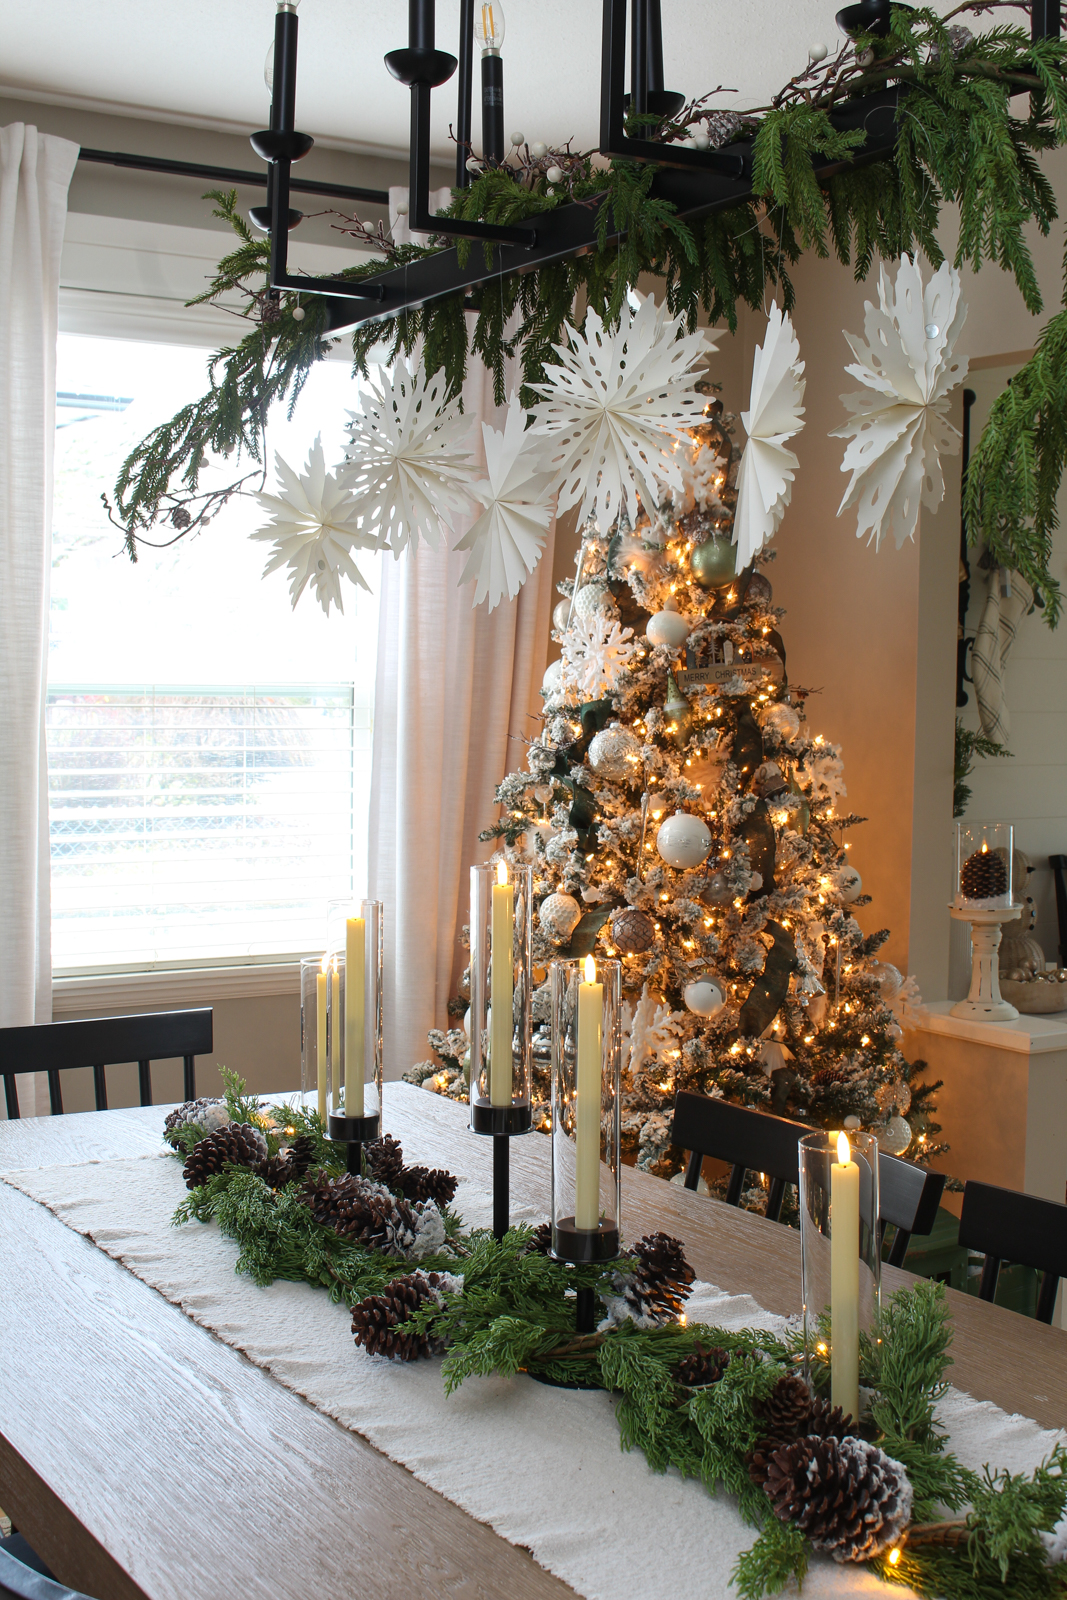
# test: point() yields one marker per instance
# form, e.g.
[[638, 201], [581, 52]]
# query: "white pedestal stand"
[[984, 1002]]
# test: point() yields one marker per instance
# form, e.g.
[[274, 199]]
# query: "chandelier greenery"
[[959, 142]]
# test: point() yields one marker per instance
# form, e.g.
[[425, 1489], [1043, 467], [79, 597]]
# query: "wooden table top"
[[146, 1460]]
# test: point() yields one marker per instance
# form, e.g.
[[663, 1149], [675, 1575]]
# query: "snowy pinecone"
[[385, 1158], [657, 1290], [540, 1240], [960, 40], [237, 1145], [702, 1367], [786, 1409], [375, 1319], [846, 1496], [722, 127], [198, 1112], [367, 1213]]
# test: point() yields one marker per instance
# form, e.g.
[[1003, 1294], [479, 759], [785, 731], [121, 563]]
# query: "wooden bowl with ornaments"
[[1036, 995]]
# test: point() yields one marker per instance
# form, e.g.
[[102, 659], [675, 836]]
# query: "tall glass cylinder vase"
[[586, 1071], [355, 1029], [314, 1054], [501, 977], [840, 1258]]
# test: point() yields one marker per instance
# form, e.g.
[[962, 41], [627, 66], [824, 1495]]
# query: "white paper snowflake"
[[765, 477], [407, 466], [316, 525], [617, 404], [506, 541], [596, 649], [900, 425]]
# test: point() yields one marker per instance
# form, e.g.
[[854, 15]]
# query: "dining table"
[[144, 1458]]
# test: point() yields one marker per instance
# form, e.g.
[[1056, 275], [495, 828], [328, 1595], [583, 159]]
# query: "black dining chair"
[[908, 1196], [100, 1042], [22, 1581], [1007, 1226]]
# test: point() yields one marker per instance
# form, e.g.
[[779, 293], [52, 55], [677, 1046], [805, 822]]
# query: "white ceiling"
[[202, 60]]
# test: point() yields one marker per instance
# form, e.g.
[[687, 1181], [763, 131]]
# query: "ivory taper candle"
[[587, 1100], [845, 1281], [501, 989], [320, 1036], [355, 1013]]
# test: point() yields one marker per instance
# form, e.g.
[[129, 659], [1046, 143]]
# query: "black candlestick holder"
[[354, 1133]]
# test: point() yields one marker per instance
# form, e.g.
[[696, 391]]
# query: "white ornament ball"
[[402, 208], [517, 139], [611, 752], [561, 616], [846, 884], [716, 892], [782, 720], [298, 313], [559, 915], [537, 149], [895, 1137], [889, 978], [703, 997], [683, 841], [552, 682], [817, 52], [667, 627], [594, 599], [554, 174], [851, 1122], [701, 141]]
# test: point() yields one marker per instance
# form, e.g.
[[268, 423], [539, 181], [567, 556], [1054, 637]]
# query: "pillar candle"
[[501, 982], [587, 1100], [355, 1013], [845, 1281], [320, 1037]]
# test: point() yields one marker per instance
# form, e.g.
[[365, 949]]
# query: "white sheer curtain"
[[35, 173], [456, 692]]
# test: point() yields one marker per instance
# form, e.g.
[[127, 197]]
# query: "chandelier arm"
[[465, 90]]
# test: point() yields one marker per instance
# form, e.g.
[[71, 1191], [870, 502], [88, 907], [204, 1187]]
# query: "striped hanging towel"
[[1010, 598]]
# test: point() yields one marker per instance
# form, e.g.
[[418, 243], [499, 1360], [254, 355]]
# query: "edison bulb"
[[489, 25]]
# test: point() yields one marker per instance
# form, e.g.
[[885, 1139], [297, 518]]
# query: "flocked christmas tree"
[[681, 815]]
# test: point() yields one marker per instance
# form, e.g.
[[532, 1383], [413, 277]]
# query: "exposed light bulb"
[[489, 25]]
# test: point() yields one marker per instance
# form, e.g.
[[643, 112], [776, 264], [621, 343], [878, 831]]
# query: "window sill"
[[167, 990]]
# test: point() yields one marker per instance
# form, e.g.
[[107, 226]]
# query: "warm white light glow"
[[501, 872], [844, 1154], [590, 970], [325, 963], [894, 1555]]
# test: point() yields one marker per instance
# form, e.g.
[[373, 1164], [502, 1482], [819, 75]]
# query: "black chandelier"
[[696, 182]]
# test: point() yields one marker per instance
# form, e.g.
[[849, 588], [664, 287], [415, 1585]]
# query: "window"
[[208, 747]]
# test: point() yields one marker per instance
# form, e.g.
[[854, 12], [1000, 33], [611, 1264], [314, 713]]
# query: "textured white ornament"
[[782, 720], [895, 1137], [559, 915], [615, 753], [703, 997], [900, 425], [669, 628], [596, 649], [316, 525], [595, 600], [846, 884], [615, 406], [765, 476], [889, 978], [683, 841], [552, 682], [407, 465], [851, 1121], [506, 541]]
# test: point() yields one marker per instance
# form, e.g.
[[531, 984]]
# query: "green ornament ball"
[[712, 563]]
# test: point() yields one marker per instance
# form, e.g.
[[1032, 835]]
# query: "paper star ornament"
[[615, 407], [315, 527], [900, 425], [506, 541], [775, 413], [407, 467]]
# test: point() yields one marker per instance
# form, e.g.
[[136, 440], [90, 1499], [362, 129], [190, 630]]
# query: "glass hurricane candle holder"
[[983, 897], [354, 1024], [841, 1264], [501, 979], [586, 1071], [314, 1055]]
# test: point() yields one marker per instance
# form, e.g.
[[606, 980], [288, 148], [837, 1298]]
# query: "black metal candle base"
[[584, 1244], [501, 1123], [354, 1132], [495, 1120]]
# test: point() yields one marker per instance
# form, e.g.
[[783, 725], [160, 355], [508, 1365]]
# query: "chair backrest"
[[20, 1582], [1007, 1226], [99, 1042], [908, 1196]]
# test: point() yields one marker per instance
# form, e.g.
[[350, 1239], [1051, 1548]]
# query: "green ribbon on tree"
[[771, 987]]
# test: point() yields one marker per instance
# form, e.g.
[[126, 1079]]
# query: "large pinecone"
[[658, 1290], [385, 1160], [786, 1409], [540, 1240], [366, 1212], [702, 1367], [846, 1496], [237, 1145], [983, 876], [375, 1319], [791, 1411]]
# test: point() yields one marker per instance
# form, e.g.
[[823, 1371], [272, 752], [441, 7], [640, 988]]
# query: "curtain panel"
[[456, 696]]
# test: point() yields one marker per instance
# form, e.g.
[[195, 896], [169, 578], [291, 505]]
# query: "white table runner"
[[542, 1466]]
